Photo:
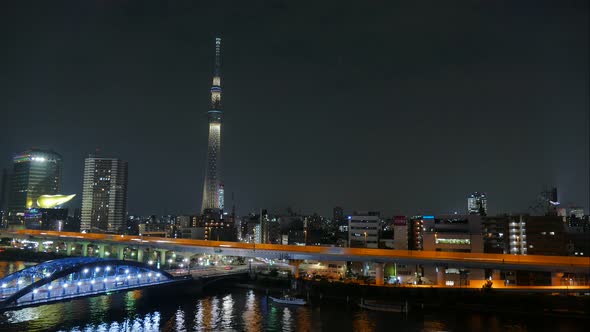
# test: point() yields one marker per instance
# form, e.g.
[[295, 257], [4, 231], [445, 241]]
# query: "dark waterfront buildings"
[[35, 172], [212, 189], [104, 196], [47, 219], [545, 235]]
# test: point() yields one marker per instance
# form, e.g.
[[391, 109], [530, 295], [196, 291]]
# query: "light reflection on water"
[[174, 309]]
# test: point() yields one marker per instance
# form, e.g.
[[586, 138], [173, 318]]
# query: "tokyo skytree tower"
[[212, 188]]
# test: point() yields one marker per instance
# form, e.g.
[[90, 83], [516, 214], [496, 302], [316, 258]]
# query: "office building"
[[545, 235], [3, 193], [578, 212], [517, 236], [35, 173], [416, 232], [477, 203], [453, 233], [578, 235], [496, 234], [338, 214], [217, 228], [46, 219], [363, 230], [400, 233], [104, 195]]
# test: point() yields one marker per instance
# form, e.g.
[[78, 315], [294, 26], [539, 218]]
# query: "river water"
[[179, 308]]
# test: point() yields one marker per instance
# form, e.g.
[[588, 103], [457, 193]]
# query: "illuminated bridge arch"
[[69, 278]]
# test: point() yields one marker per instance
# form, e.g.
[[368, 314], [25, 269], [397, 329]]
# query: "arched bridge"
[[68, 278]]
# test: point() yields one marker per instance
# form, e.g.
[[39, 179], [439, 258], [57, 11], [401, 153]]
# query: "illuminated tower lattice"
[[212, 184]]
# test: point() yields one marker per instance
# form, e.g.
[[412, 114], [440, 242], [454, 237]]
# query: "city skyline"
[[444, 122]]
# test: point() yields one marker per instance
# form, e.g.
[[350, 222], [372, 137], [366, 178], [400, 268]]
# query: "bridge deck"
[[74, 292], [72, 277]]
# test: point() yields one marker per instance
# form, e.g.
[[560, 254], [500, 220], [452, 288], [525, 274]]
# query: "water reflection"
[[179, 319], [362, 322], [227, 312], [240, 310], [287, 320], [251, 315]]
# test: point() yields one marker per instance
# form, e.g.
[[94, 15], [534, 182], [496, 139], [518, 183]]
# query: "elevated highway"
[[298, 253]]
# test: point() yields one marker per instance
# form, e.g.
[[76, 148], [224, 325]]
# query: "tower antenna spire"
[[217, 69]]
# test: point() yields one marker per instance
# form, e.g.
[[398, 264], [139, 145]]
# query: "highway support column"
[[295, 265], [140, 255], [85, 249], [379, 274], [40, 246], [162, 257], [121, 252], [556, 278], [440, 276]]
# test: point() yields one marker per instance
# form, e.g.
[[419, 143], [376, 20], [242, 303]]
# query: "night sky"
[[403, 107]]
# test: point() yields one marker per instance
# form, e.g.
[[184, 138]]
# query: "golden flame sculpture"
[[51, 201]]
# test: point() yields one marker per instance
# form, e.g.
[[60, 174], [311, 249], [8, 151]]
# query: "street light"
[[365, 239], [305, 235], [169, 263]]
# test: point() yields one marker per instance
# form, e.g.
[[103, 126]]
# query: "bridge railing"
[[93, 277]]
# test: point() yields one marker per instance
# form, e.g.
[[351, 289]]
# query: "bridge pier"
[[85, 249], [295, 265], [40, 247], [440, 276], [162, 257], [497, 279], [140, 255], [556, 278], [69, 246], [101, 250], [379, 274], [121, 252]]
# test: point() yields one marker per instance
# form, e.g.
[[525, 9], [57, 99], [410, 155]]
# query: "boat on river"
[[385, 307], [288, 300]]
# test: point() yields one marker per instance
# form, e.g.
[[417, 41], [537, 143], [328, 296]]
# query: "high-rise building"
[[104, 196], [221, 194], [400, 233], [496, 234], [416, 232], [211, 186], [264, 227], [517, 239], [3, 191], [578, 212], [338, 214], [34, 173], [477, 203]]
